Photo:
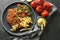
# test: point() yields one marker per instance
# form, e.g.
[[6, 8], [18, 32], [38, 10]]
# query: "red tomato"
[[28, 14], [24, 7], [44, 13], [47, 6], [40, 2], [38, 9], [18, 5], [23, 15], [33, 4], [20, 11]]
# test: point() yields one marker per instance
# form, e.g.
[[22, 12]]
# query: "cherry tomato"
[[47, 6], [20, 11], [40, 2], [23, 15], [33, 4], [24, 7], [28, 14], [39, 9], [44, 13], [18, 5]]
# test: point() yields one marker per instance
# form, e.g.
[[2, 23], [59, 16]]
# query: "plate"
[[7, 26]]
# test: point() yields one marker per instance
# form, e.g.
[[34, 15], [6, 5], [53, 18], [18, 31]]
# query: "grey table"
[[52, 31]]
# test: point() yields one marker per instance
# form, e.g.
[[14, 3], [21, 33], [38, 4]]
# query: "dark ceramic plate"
[[7, 26]]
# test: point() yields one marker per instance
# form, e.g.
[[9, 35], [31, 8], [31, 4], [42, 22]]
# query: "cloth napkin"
[[32, 35]]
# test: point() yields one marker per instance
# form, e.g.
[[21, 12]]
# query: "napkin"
[[32, 35]]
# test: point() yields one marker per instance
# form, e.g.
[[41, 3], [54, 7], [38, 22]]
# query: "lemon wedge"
[[41, 22]]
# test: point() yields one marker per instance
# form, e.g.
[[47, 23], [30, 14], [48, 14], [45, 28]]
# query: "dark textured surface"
[[52, 31]]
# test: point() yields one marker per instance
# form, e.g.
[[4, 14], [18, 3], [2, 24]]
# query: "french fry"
[[25, 29]]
